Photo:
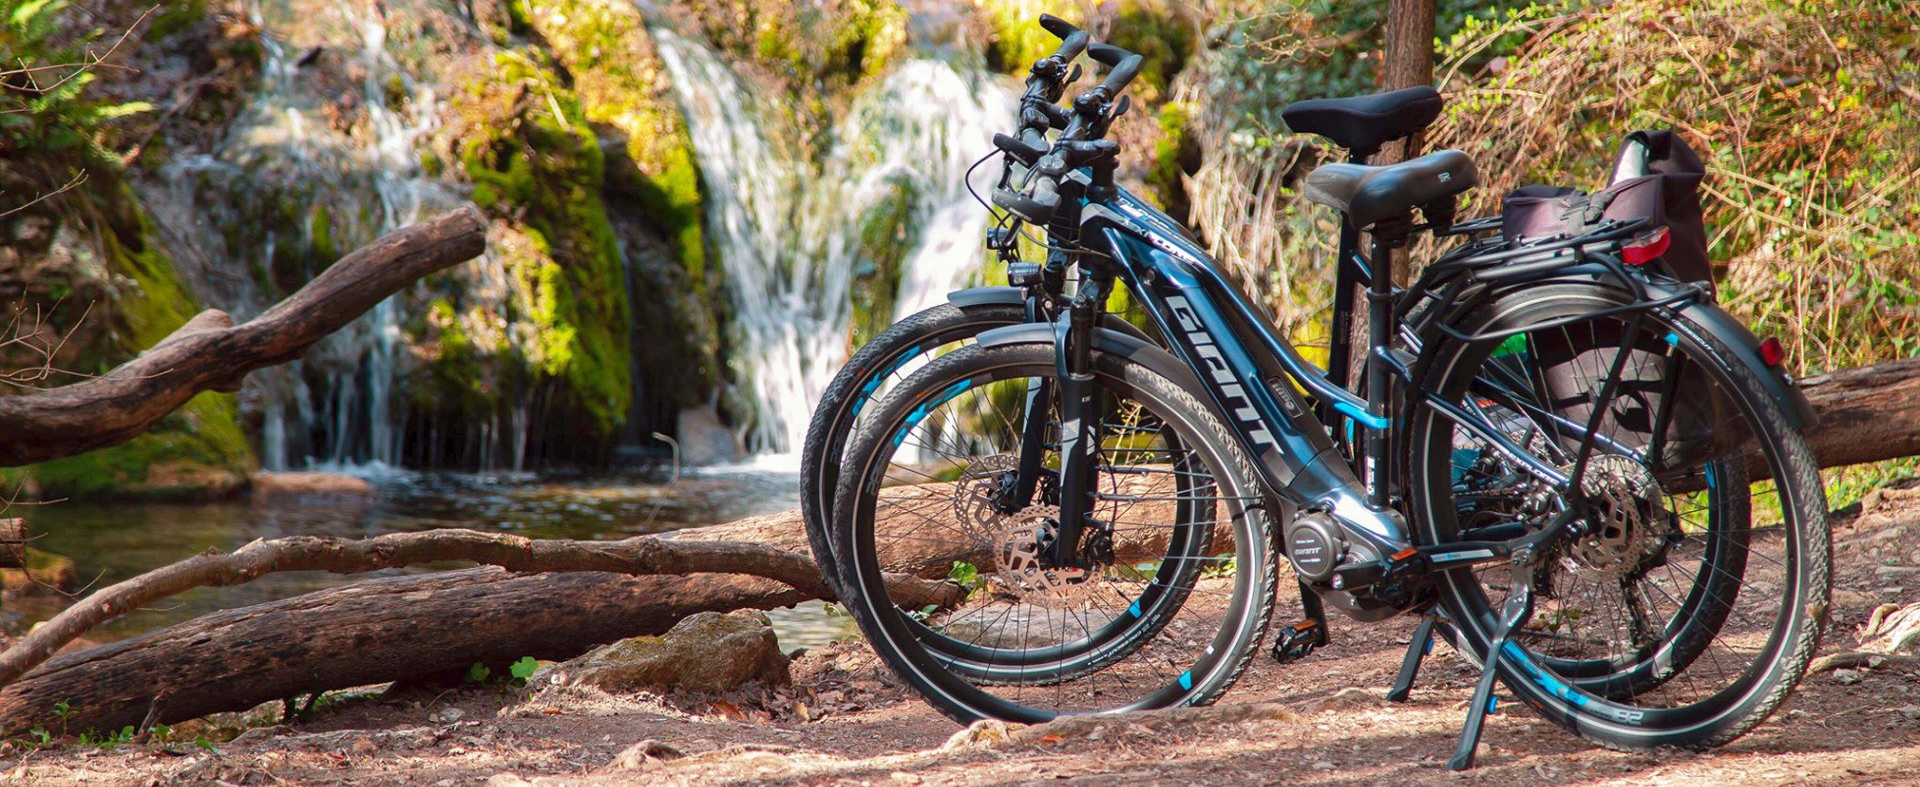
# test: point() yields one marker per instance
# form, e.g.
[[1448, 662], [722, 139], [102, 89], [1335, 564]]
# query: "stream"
[[110, 543]]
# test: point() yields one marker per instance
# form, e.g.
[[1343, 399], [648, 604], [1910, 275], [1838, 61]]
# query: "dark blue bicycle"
[[1581, 466]]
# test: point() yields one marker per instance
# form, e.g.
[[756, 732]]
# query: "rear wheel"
[[1178, 594], [1689, 605]]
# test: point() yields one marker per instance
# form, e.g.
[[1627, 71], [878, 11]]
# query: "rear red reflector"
[[1647, 248], [1772, 352]]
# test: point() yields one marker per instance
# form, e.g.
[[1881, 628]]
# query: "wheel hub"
[[1626, 527]]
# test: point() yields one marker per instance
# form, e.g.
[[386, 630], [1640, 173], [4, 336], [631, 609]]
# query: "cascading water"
[[787, 231], [334, 408]]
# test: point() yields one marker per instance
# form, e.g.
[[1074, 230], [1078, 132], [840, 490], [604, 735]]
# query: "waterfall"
[[786, 230], [334, 408]]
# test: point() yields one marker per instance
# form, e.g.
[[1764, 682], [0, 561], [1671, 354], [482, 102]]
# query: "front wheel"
[[1176, 578], [1688, 605]]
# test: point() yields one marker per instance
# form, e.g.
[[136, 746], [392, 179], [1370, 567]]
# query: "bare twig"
[[78, 178]]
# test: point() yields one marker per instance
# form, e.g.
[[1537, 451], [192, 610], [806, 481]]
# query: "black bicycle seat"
[[1362, 123], [1369, 194]]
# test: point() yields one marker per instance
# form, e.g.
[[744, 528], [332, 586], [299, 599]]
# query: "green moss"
[[196, 452], [815, 53], [526, 144], [651, 179], [320, 235], [884, 234]]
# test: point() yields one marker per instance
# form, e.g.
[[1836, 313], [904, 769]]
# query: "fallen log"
[[359, 634], [211, 353], [1867, 414], [642, 555], [396, 628]]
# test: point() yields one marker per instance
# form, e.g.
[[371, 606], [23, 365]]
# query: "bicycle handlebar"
[[1079, 143]]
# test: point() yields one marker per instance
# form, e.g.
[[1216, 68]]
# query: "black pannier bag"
[[1657, 177]]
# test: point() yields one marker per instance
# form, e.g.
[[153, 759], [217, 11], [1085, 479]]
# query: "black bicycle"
[[1635, 543]]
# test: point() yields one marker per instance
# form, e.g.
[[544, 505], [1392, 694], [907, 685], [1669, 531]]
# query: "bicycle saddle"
[[1362, 123], [1369, 194]]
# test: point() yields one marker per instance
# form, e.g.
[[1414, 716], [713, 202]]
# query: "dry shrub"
[[1806, 114]]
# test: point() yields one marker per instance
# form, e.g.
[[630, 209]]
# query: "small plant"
[[523, 669], [1218, 569], [202, 742], [967, 575], [478, 673], [107, 741], [63, 710]]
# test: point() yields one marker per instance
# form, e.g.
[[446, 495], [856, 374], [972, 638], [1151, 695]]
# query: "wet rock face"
[[705, 653]]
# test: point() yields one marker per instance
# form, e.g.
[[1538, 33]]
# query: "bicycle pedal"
[[1297, 641]]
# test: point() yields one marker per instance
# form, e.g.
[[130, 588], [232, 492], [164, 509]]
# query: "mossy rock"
[[196, 452], [46, 573], [814, 53], [707, 652], [651, 186]]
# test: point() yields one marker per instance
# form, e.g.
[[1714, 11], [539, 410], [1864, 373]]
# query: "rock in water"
[[707, 652]]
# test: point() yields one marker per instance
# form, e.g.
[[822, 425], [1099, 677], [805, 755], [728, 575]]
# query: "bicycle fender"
[[1778, 383], [987, 296], [1105, 339], [1016, 296]]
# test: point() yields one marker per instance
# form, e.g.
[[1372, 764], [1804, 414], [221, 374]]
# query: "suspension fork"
[[1039, 404], [1080, 419]]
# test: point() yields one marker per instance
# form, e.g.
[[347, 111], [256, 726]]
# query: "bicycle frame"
[[1245, 366]]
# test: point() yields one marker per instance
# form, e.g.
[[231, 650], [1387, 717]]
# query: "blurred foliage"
[[49, 126]]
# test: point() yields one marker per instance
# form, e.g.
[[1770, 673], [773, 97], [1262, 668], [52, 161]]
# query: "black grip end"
[[1060, 28], [1108, 54]]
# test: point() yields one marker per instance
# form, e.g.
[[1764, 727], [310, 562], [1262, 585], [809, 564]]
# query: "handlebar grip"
[[1073, 40], [1026, 148], [1107, 54], [1122, 74]]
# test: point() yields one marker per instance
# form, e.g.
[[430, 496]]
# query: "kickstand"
[[1518, 608], [1418, 647]]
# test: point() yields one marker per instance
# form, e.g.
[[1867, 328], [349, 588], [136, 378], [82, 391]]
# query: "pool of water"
[[110, 543]]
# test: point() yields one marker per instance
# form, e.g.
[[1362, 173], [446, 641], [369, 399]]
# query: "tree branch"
[[211, 353]]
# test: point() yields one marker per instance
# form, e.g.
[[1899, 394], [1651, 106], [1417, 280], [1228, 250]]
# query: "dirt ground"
[[1319, 721]]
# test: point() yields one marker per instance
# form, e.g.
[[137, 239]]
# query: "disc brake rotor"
[[1628, 527], [1019, 542]]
